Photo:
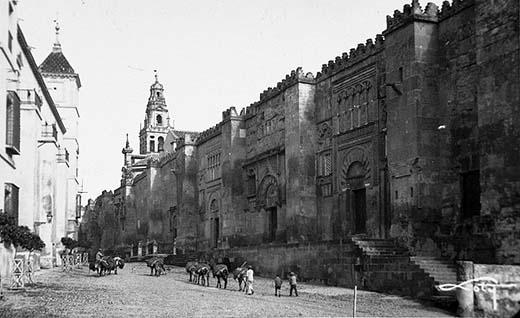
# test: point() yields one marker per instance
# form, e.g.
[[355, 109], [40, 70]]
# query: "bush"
[[69, 242], [18, 235]]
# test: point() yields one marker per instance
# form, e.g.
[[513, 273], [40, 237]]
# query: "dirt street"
[[134, 293]]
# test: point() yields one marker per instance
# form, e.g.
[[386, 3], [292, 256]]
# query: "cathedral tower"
[[156, 123]]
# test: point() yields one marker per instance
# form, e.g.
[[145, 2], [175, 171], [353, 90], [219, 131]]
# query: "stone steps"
[[402, 273], [442, 271]]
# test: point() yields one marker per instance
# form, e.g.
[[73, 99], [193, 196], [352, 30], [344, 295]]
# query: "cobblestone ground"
[[134, 293]]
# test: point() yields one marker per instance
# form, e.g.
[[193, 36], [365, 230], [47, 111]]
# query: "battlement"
[[296, 76], [348, 59], [251, 109], [229, 113], [209, 133], [411, 13], [449, 10]]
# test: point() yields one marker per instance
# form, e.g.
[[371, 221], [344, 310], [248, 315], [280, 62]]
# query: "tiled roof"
[[56, 63]]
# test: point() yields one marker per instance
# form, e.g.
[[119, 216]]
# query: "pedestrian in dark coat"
[[292, 283], [277, 286]]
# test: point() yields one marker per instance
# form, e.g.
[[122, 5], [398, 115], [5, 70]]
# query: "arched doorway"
[[355, 178], [271, 199]]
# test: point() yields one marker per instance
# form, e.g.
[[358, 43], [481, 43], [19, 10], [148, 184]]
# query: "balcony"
[[63, 156], [49, 133], [30, 97]]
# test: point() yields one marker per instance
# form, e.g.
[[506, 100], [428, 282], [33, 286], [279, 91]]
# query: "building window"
[[251, 183], [470, 184], [160, 144], [401, 76], [12, 139], [152, 145], [11, 201], [10, 41], [214, 166], [213, 206], [324, 164], [78, 206], [159, 120]]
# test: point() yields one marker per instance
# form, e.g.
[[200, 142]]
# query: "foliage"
[[29, 240], [18, 235], [69, 243]]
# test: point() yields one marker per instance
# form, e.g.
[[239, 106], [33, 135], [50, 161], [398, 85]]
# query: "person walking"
[[292, 283], [250, 279], [277, 286]]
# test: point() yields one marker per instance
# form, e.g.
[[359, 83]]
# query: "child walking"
[[292, 283], [277, 286]]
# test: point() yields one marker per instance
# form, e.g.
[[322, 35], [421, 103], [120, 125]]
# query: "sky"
[[209, 54]]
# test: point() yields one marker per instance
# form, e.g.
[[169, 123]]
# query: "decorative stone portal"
[[354, 178]]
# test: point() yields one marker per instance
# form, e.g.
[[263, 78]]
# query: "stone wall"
[[415, 128]]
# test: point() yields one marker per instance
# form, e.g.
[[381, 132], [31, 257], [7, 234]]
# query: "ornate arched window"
[[213, 206], [158, 120], [160, 144]]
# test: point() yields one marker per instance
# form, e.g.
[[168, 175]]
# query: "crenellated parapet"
[[411, 12], [361, 52], [450, 9], [251, 110], [230, 113], [209, 133], [296, 76]]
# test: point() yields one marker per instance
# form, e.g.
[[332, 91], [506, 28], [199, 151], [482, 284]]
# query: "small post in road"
[[355, 300]]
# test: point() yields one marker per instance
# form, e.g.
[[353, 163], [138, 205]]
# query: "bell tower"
[[156, 122]]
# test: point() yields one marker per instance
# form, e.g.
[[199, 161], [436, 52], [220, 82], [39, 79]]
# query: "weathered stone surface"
[[412, 136]]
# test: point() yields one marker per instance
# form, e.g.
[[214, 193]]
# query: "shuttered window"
[[324, 164], [12, 123], [11, 201]]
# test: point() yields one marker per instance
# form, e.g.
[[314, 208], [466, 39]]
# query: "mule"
[[156, 264], [202, 273], [118, 262], [191, 267], [105, 265], [220, 271], [239, 274]]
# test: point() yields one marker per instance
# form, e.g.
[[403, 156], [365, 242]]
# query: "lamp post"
[[49, 217]]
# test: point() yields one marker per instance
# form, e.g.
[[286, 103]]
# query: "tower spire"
[[127, 142], [57, 45], [156, 76]]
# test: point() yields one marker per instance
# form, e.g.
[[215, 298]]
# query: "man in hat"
[[99, 255], [249, 280], [292, 283]]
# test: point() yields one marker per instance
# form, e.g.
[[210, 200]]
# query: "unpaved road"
[[133, 293]]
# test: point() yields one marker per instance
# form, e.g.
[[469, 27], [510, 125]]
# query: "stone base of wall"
[[333, 263]]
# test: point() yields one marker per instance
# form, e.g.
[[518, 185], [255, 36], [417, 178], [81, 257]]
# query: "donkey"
[[156, 264], [191, 267], [118, 262], [220, 271], [105, 265], [239, 274], [202, 273]]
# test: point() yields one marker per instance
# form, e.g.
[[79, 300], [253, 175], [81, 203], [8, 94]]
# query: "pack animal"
[[156, 265], [191, 267], [202, 273], [220, 271], [239, 274]]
